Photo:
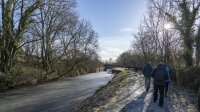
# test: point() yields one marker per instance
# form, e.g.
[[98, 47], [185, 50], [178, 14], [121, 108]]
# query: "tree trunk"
[[198, 49], [10, 39], [188, 50]]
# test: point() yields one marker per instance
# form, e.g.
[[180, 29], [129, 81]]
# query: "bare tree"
[[80, 45], [153, 41], [16, 17], [51, 23], [184, 20]]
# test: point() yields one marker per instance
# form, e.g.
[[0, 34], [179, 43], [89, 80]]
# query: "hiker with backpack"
[[147, 75], [168, 70], [159, 75], [199, 100]]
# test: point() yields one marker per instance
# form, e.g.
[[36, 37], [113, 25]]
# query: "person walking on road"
[[159, 75], [168, 70], [147, 75], [199, 100]]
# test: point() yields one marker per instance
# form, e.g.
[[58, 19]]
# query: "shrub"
[[117, 70], [5, 81], [23, 76], [189, 77]]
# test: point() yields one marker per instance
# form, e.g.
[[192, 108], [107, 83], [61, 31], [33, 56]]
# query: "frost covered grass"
[[126, 93], [105, 94]]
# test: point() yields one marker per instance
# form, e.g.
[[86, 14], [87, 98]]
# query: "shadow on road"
[[178, 100], [136, 105]]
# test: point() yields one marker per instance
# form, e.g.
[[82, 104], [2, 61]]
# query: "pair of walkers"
[[161, 80]]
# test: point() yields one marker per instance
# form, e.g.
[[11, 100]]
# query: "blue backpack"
[[160, 74]]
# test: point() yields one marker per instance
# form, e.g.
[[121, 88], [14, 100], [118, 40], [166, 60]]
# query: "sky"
[[115, 21]]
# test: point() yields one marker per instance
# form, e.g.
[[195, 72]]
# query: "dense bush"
[[5, 81], [189, 77], [21, 76], [117, 70], [27, 74]]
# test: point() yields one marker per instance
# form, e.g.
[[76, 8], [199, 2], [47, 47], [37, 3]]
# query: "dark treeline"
[[169, 32], [43, 40]]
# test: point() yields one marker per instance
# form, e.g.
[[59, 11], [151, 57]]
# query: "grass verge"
[[105, 94]]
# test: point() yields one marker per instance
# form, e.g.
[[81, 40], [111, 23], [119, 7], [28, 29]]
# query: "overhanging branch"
[[27, 43]]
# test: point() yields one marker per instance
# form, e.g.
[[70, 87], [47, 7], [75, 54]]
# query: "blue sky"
[[115, 21]]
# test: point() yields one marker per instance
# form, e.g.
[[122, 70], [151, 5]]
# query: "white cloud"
[[127, 30], [112, 47]]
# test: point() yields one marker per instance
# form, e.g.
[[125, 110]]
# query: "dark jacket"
[[159, 75], [168, 70], [147, 70], [199, 100]]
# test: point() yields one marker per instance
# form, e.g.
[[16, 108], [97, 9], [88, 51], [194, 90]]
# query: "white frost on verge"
[[134, 98]]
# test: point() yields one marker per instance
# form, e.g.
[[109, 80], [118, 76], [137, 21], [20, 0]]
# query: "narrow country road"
[[53, 97]]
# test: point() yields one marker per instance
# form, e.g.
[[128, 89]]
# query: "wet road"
[[53, 97]]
